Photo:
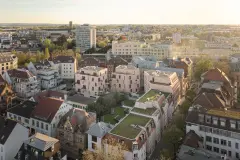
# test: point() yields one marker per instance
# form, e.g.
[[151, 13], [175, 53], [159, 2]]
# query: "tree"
[[46, 54], [61, 40], [184, 107], [202, 66], [190, 95], [115, 151], [179, 121], [235, 45], [102, 44], [47, 42], [223, 65], [172, 137]]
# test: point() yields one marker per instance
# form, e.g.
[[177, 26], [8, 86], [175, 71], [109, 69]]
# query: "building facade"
[[85, 37], [126, 78], [91, 81], [7, 62]]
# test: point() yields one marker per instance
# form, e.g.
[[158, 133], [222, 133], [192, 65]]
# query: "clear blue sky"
[[121, 11]]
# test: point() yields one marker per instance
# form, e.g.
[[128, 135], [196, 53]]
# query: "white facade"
[[142, 49], [91, 81], [177, 38], [218, 45], [10, 149], [126, 78], [85, 37]]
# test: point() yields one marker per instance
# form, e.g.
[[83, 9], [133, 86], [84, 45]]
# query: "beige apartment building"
[[7, 61], [126, 78], [91, 81], [163, 81]]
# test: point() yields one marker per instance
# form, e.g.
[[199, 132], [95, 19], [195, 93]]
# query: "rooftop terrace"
[[125, 129], [152, 95], [225, 113], [148, 111]]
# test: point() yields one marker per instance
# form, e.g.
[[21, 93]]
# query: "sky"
[[121, 11]]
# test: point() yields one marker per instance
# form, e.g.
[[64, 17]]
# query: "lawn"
[[129, 103], [151, 95], [148, 111], [125, 128], [109, 118]]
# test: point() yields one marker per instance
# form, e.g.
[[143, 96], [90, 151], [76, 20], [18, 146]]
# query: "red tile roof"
[[46, 109], [215, 75], [20, 73], [209, 100], [49, 94]]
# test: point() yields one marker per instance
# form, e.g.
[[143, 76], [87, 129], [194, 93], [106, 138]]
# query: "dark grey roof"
[[41, 64], [63, 59], [81, 99], [6, 128], [24, 109], [99, 129]]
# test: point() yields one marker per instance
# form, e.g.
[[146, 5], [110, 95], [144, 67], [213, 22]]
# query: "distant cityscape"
[[119, 92]]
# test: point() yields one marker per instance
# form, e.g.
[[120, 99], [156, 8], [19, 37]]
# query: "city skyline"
[[126, 12]]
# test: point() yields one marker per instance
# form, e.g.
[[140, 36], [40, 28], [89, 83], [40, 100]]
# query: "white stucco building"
[[160, 50], [66, 65], [91, 81], [126, 78], [177, 38], [12, 135], [23, 82], [42, 116], [85, 37], [163, 81], [218, 45]]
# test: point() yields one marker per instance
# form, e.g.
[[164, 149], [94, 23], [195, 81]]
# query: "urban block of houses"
[[66, 65], [91, 81], [42, 117], [40, 146], [71, 131], [126, 78], [12, 135], [23, 82]]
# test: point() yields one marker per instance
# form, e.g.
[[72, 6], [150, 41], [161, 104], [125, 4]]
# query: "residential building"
[[218, 45], [112, 63], [158, 106], [48, 77], [66, 65], [40, 146], [79, 101], [41, 34], [23, 82], [42, 116], [218, 129], [7, 61], [85, 37], [163, 81], [192, 148], [12, 136], [6, 94], [71, 131], [134, 132], [235, 68], [91, 81], [177, 38], [96, 134], [160, 50], [89, 61], [126, 78]]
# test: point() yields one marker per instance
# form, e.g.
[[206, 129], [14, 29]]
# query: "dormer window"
[[208, 119], [222, 122], [201, 118], [135, 146], [215, 120], [233, 124]]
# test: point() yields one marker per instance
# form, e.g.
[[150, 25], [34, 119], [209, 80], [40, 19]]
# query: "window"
[[208, 139], [119, 85], [222, 123], [92, 88], [237, 155], [233, 125], [201, 117], [42, 126], [216, 140], [208, 119], [229, 153], [46, 127], [37, 124], [33, 122], [92, 79], [215, 121], [26, 120], [215, 149], [223, 151], [19, 118], [135, 155], [94, 139], [94, 146], [223, 142], [229, 143], [209, 147], [236, 145]]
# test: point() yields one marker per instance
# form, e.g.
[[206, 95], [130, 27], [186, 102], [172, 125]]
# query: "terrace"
[[148, 111], [152, 95], [129, 102], [125, 128], [118, 114]]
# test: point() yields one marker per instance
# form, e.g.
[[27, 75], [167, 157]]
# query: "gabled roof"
[[46, 109], [192, 139], [20, 73], [6, 128], [49, 94], [41, 64], [215, 75], [41, 141], [24, 109], [99, 129], [209, 100]]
